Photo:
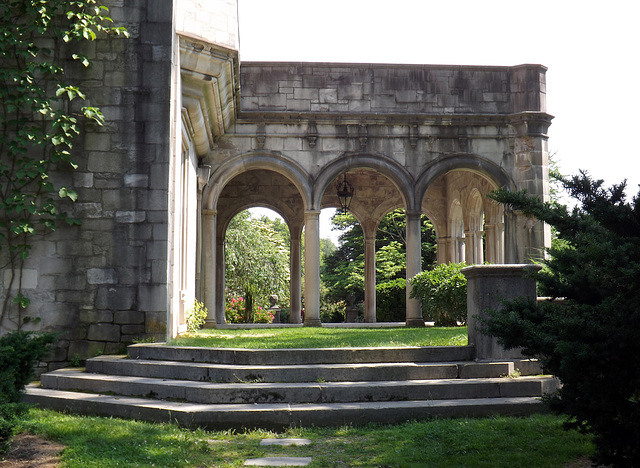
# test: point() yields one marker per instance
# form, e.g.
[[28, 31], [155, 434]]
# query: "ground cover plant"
[[303, 337], [590, 339], [535, 441]]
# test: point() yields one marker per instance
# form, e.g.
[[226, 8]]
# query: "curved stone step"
[[296, 393], [163, 352], [276, 416], [207, 372]]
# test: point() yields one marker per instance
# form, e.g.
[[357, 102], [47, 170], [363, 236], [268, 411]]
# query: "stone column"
[[208, 278], [312, 269], [220, 281], [295, 272], [370, 277], [487, 286], [414, 265], [470, 252], [492, 246]]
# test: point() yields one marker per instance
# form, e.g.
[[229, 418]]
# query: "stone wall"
[[405, 89], [214, 21], [103, 284]]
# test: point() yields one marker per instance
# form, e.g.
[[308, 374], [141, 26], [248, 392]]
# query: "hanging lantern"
[[345, 193]]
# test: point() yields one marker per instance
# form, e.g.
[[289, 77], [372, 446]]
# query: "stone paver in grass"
[[278, 461], [285, 442]]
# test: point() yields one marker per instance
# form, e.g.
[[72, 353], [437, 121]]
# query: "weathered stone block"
[[128, 317], [103, 332], [152, 298], [103, 161], [130, 216], [136, 180], [84, 349], [115, 298], [95, 316], [133, 329], [101, 276]]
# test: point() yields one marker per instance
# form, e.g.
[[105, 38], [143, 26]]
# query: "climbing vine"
[[39, 114]]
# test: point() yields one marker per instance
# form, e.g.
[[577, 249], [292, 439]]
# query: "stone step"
[[276, 416], [206, 372], [162, 352], [298, 393]]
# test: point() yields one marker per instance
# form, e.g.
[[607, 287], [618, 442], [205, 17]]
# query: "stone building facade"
[[194, 135]]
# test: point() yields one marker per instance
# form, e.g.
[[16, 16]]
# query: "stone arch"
[[482, 218], [253, 161], [393, 171], [216, 217]]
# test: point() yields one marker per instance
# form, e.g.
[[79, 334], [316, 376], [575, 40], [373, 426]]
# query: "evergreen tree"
[[590, 339]]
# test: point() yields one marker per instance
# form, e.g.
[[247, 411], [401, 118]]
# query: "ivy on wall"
[[39, 114]]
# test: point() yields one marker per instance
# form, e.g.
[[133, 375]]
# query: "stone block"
[[83, 349], [130, 216], [29, 279], [156, 323], [128, 317], [83, 179], [101, 276], [95, 316], [136, 180], [133, 329], [115, 298], [152, 298], [103, 332], [100, 161]]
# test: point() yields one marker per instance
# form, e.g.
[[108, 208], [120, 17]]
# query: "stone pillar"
[[312, 269], [487, 286], [295, 282], [470, 252], [492, 246], [208, 278], [442, 250], [220, 281], [414, 265], [370, 277]]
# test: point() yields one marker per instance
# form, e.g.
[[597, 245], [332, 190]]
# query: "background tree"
[[343, 271], [590, 339], [39, 112], [257, 261]]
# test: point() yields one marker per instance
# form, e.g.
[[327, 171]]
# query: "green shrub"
[[443, 294], [19, 353], [391, 301], [332, 312], [195, 316]]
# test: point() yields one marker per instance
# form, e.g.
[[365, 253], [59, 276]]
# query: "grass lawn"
[[536, 441], [312, 337]]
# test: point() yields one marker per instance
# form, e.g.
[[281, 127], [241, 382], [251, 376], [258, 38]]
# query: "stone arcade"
[[194, 136]]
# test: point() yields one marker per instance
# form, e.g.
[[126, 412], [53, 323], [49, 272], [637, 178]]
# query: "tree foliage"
[[39, 114], [343, 270], [590, 340], [257, 262]]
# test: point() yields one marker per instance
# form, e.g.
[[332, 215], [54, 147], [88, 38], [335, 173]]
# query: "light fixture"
[[345, 193]]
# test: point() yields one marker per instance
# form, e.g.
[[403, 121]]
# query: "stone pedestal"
[[487, 287]]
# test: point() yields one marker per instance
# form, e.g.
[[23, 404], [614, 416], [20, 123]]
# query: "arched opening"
[[469, 225], [258, 187], [257, 268]]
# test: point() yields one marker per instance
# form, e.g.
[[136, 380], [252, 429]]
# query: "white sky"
[[591, 49]]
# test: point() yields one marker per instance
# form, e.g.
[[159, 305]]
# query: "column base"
[[312, 323], [210, 324], [414, 323]]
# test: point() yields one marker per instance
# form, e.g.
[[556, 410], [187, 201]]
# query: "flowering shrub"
[[235, 312], [262, 315]]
